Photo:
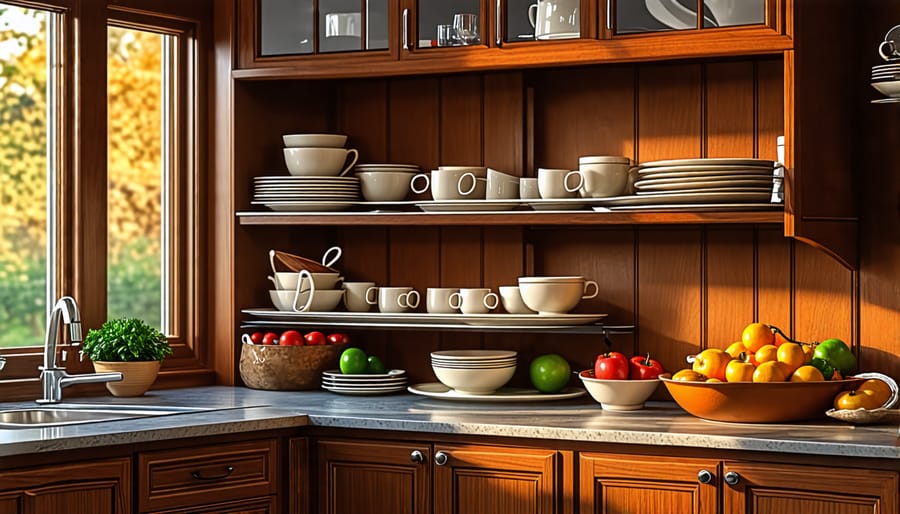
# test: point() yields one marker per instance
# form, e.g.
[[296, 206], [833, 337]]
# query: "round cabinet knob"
[[704, 476], [417, 457], [732, 478], [441, 458]]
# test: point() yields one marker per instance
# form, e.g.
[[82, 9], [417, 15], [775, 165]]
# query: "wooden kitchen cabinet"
[[620, 484], [91, 487], [214, 478], [377, 477]]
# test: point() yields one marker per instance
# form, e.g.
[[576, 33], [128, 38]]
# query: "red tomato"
[[611, 366], [314, 338], [256, 338], [270, 338], [644, 368], [338, 338], [291, 338]]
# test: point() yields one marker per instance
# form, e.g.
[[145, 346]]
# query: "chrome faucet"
[[53, 377]]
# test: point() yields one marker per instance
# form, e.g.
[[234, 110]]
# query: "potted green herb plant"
[[130, 346]]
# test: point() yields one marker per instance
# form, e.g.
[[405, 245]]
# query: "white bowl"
[[474, 381], [288, 280], [319, 161], [384, 186], [888, 88], [474, 365], [473, 355], [324, 300], [551, 297], [618, 395], [282, 299], [321, 140]]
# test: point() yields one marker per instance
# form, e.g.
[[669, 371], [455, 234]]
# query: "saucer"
[[504, 394]]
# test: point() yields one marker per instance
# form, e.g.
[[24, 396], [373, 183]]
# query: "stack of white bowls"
[[477, 372], [385, 182], [293, 290]]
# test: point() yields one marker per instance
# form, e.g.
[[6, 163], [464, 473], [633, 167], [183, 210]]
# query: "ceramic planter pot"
[[137, 376]]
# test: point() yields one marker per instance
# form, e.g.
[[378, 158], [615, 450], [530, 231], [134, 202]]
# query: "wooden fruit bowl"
[[286, 368], [757, 402]]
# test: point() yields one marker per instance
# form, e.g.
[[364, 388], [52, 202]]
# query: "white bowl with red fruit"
[[618, 383]]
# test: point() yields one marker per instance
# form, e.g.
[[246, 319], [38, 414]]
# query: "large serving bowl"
[[286, 368], [618, 395], [551, 295], [757, 402], [384, 186], [474, 380]]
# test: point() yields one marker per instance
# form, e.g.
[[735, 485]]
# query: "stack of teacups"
[[453, 183], [385, 182], [886, 77], [306, 292], [474, 371]]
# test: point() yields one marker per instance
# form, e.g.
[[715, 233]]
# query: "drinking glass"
[[466, 25], [446, 35]]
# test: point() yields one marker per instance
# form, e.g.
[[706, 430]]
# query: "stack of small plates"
[[301, 193], [364, 384], [710, 181], [886, 79], [412, 168]]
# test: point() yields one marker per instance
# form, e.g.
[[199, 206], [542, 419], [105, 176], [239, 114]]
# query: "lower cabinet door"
[[496, 480], [263, 505], [99, 487], [373, 478], [755, 488], [631, 484]]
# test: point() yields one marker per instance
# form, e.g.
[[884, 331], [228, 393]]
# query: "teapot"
[[555, 19]]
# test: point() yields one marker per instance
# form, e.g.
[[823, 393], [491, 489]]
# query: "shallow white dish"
[[504, 394], [364, 392], [559, 204], [711, 161], [336, 373], [650, 199], [468, 205], [888, 88], [311, 206], [321, 140], [704, 172], [681, 189], [718, 181], [693, 207], [505, 320]]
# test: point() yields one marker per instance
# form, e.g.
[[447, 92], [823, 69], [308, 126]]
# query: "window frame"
[[81, 216]]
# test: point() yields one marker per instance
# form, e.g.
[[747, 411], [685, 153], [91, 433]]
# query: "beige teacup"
[[437, 300], [528, 189], [604, 175], [359, 296], [444, 184], [474, 300], [397, 299], [319, 161], [557, 183], [511, 299]]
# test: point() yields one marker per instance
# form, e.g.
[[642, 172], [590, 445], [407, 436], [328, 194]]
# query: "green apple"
[[550, 373], [837, 353]]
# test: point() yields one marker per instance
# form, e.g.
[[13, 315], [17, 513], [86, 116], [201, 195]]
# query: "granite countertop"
[[245, 410]]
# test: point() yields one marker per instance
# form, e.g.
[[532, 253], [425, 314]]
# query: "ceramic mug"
[[474, 300], [555, 183], [445, 184], [511, 298], [437, 300], [555, 19], [604, 176], [397, 299], [359, 296], [528, 188], [342, 24]]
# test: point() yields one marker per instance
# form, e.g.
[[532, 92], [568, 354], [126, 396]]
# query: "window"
[[124, 239]]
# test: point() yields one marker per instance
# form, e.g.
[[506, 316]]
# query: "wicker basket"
[[286, 368]]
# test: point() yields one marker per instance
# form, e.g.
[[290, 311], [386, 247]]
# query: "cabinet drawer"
[[207, 474]]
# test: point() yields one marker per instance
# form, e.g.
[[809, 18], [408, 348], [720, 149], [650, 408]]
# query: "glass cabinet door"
[[542, 20], [296, 27], [637, 16], [449, 23]]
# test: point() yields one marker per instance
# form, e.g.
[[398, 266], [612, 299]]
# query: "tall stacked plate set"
[[317, 165], [886, 77]]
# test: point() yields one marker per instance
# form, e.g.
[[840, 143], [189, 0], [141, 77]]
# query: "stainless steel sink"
[[70, 414]]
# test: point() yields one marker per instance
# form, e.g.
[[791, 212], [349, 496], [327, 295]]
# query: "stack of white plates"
[[410, 168], [364, 384], [304, 193], [717, 180], [886, 79]]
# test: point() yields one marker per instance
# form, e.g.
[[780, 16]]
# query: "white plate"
[[308, 179], [361, 384], [704, 172], [717, 161], [721, 180], [376, 165], [364, 392], [468, 205], [504, 394], [306, 206], [336, 373], [303, 198], [658, 198], [681, 190], [702, 207], [519, 320]]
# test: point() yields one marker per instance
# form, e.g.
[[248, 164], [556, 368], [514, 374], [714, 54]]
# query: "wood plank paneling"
[[823, 297], [669, 294], [729, 285], [413, 126], [770, 107], [669, 112], [362, 113], [461, 121], [730, 109], [774, 291], [503, 125]]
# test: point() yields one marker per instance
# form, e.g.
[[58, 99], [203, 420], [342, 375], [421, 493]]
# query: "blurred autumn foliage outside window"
[[134, 167]]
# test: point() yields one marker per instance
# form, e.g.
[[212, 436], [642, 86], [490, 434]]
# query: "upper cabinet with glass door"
[[643, 16]]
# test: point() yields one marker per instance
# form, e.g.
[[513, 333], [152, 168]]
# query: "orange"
[[770, 371], [739, 371], [766, 353], [688, 375], [877, 388], [711, 362], [791, 355], [735, 349], [855, 400], [757, 335], [807, 373]]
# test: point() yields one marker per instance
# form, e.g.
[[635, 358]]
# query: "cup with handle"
[[360, 296], [511, 299], [437, 300], [556, 183], [319, 161], [474, 300], [397, 299]]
